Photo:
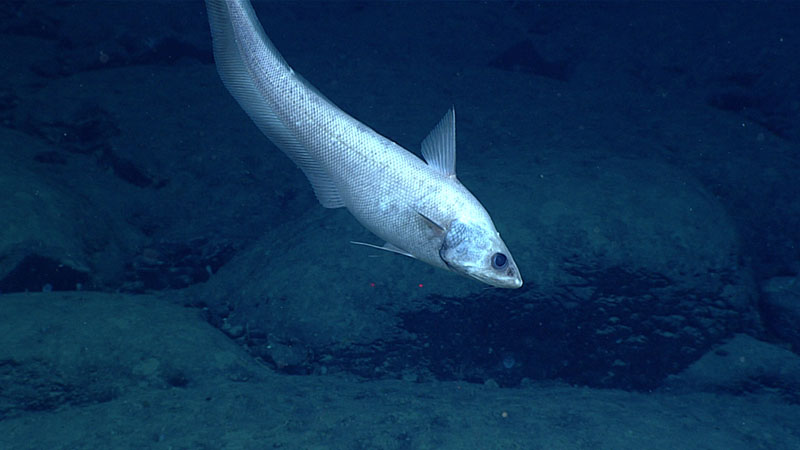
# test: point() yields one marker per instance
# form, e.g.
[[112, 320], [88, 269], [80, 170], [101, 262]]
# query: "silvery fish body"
[[419, 208]]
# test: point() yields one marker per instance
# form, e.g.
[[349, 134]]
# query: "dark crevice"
[[37, 273]]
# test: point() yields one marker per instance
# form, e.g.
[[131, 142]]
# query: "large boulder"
[[743, 365], [42, 224], [632, 271], [780, 304], [77, 349]]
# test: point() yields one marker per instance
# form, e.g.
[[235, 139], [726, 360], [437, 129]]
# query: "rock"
[[780, 304], [92, 348], [632, 279], [743, 365], [95, 370], [41, 224], [60, 224]]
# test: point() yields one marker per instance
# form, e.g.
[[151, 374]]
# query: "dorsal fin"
[[439, 148]]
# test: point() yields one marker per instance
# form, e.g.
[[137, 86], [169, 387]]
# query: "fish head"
[[476, 250]]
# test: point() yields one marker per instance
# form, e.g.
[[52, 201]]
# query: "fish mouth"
[[511, 283], [509, 280]]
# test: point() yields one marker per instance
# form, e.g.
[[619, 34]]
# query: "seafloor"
[[168, 280]]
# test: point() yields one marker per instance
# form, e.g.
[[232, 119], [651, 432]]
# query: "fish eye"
[[499, 261]]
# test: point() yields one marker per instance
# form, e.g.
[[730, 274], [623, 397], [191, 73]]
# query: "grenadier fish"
[[418, 207]]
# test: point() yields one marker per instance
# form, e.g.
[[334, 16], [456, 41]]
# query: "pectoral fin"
[[386, 247], [435, 227]]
